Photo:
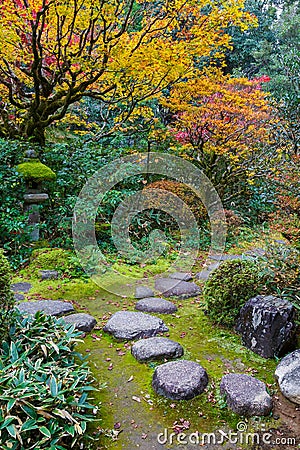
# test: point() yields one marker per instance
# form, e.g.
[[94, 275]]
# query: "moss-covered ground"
[[132, 415]]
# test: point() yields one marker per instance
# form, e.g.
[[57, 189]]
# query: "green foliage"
[[64, 261], [229, 287], [44, 391], [36, 171], [7, 300], [282, 264], [14, 230]]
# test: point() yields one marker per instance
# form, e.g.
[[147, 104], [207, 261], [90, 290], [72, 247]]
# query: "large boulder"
[[245, 395], [156, 348], [287, 374], [128, 325], [169, 287], [82, 321], [49, 307], [179, 380], [156, 305], [267, 325]]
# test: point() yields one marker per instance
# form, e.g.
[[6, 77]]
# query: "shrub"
[[229, 287], [7, 300], [282, 265], [44, 391]]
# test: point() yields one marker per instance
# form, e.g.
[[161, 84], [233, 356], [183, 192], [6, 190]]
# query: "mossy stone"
[[36, 171]]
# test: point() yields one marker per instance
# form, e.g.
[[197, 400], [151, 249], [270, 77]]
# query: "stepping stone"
[[143, 292], [179, 380], [82, 321], [183, 276], [267, 325], [21, 287], [227, 257], [287, 374], [255, 252], [205, 273], [176, 288], [49, 307], [19, 297], [156, 348], [245, 395], [128, 325], [156, 305], [48, 274]]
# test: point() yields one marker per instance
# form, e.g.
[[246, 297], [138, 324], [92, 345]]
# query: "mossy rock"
[[230, 286], [57, 259], [36, 171]]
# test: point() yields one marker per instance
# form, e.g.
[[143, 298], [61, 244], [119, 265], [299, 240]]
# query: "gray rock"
[[156, 348], [227, 257], [19, 297], [176, 288], [156, 305], [256, 252], [179, 380], [183, 276], [287, 374], [82, 321], [245, 395], [143, 292], [128, 325], [48, 274], [267, 325], [21, 287], [49, 307]]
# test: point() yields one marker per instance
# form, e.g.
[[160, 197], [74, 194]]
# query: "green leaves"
[[44, 395]]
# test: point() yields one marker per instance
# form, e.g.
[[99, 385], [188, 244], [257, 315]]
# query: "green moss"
[[217, 349], [52, 259], [36, 171]]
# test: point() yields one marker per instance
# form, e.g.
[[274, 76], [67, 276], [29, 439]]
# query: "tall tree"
[[53, 53]]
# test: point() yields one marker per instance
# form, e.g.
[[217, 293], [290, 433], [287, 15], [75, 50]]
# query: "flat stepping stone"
[[256, 252], [128, 325], [48, 274], [143, 292], [183, 276], [82, 321], [287, 374], [156, 305], [156, 348], [49, 307], [179, 380], [175, 288], [227, 257], [21, 287], [245, 395], [19, 297]]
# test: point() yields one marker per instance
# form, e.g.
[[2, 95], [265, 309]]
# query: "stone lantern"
[[34, 173]]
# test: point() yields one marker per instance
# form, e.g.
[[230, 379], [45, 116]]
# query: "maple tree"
[[221, 122], [53, 53]]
